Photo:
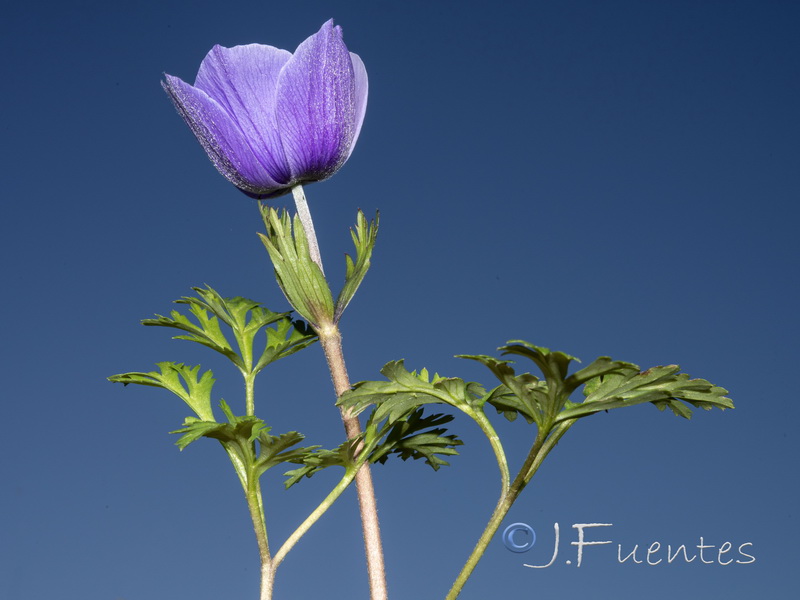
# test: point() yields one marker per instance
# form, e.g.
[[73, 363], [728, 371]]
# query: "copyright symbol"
[[511, 544]]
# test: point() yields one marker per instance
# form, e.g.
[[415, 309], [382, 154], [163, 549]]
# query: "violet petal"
[[220, 137], [361, 92], [316, 105], [243, 81]]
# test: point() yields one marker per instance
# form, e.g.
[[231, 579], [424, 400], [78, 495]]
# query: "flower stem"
[[308, 224], [331, 341]]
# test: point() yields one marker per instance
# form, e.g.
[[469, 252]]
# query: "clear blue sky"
[[613, 177]]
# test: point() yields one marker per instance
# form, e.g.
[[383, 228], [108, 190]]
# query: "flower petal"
[[220, 137], [316, 105], [361, 91], [243, 80]]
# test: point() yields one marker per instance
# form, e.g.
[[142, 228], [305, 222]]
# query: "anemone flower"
[[269, 119]]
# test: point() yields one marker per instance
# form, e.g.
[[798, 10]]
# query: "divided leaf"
[[238, 435], [238, 430], [275, 450], [417, 436], [522, 394], [299, 277], [406, 390], [206, 332], [364, 237], [318, 459], [607, 384], [553, 364], [284, 340], [182, 381], [246, 318], [663, 386]]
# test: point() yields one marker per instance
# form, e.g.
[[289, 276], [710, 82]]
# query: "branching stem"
[[313, 517], [544, 443]]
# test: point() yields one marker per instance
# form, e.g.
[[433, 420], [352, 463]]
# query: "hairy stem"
[[331, 342]]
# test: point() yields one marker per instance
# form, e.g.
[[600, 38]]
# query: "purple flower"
[[269, 119]]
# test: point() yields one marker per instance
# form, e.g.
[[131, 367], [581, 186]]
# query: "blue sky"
[[614, 178]]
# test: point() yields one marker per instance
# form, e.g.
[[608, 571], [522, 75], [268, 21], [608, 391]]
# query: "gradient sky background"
[[613, 178]]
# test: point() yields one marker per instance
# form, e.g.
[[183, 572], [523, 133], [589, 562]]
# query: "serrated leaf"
[[364, 236], [319, 459], [182, 381], [418, 437], [275, 450], [524, 394], [406, 390], [510, 405], [206, 331], [284, 340], [299, 277], [238, 430], [599, 367], [194, 430], [664, 386], [246, 318], [237, 312], [553, 364]]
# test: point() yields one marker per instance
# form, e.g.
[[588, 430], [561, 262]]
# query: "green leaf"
[[599, 367], [554, 365], [206, 332], [319, 459], [240, 430], [418, 437], [246, 318], [364, 237], [301, 280], [406, 390], [284, 340], [663, 386], [275, 450], [607, 384], [525, 394], [193, 429], [510, 405], [182, 381]]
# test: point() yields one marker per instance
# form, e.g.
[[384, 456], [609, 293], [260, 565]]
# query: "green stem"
[[497, 447], [498, 514], [537, 454], [314, 516], [542, 446], [249, 394], [255, 505]]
